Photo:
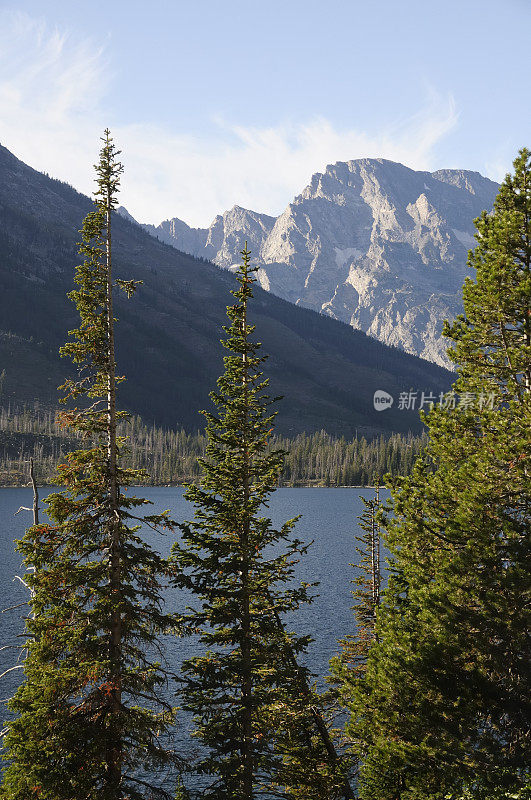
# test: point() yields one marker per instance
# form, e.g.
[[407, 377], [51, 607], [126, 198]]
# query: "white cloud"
[[51, 87], [52, 93]]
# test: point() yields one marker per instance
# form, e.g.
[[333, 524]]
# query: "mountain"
[[369, 242], [221, 242], [168, 335]]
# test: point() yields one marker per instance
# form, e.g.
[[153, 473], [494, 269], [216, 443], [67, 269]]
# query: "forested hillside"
[[168, 340], [170, 456]]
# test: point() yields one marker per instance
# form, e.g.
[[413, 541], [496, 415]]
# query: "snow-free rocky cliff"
[[369, 242]]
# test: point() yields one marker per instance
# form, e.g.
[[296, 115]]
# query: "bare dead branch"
[[18, 666], [23, 582], [22, 508], [10, 608]]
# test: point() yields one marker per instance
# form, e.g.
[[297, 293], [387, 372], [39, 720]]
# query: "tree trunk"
[[114, 754], [35, 494], [247, 732]]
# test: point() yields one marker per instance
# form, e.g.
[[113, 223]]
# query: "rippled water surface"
[[329, 519]]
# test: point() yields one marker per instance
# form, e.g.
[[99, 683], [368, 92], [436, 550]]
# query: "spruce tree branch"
[[157, 790]]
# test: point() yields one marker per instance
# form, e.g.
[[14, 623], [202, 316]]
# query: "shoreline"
[[183, 486]]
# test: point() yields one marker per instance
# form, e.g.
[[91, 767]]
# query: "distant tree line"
[[171, 456]]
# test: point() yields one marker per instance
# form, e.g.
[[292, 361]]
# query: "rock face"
[[222, 241], [369, 242]]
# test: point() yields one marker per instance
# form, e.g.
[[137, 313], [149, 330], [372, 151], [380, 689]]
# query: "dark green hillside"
[[168, 336]]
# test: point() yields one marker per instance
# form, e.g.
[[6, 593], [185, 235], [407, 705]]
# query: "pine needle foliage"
[[447, 714], [366, 594], [89, 712], [349, 667], [253, 708]]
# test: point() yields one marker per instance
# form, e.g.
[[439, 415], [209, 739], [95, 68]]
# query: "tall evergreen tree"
[[351, 663], [447, 711], [255, 713], [89, 713], [348, 668]]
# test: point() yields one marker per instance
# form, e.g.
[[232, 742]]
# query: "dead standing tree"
[[21, 647]]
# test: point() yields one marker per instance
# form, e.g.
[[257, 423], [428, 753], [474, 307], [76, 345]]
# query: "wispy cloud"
[[52, 93], [51, 88]]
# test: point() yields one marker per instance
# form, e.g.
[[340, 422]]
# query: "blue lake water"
[[329, 519]]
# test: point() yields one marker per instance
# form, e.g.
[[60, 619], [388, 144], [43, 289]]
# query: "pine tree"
[[447, 710], [348, 668], [355, 647], [254, 711], [89, 712]]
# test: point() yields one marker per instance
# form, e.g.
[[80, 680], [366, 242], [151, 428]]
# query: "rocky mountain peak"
[[123, 212], [369, 241]]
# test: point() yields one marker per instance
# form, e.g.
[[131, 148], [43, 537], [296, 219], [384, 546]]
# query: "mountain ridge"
[[369, 242]]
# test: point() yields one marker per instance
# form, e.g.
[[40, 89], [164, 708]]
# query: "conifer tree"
[[355, 647], [348, 668], [254, 711], [88, 714], [447, 709]]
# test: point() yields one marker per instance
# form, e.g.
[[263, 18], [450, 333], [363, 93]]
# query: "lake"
[[329, 519]]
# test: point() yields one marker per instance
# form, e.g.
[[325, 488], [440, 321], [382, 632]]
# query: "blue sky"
[[223, 102]]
